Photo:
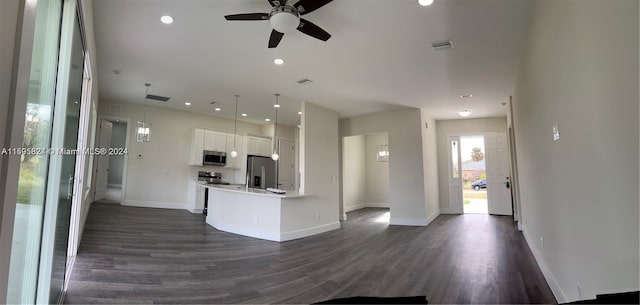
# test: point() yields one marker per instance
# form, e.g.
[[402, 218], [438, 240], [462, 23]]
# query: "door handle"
[[70, 188], [507, 184]]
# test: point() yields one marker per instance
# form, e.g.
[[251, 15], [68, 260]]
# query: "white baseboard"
[[285, 236], [112, 185], [354, 207], [344, 217], [155, 205], [433, 216], [377, 205], [561, 297], [407, 222], [445, 211], [196, 211]]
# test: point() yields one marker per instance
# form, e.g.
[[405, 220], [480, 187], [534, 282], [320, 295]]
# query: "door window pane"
[[455, 167], [25, 248]]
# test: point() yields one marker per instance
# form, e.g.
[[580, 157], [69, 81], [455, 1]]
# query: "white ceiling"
[[378, 59]]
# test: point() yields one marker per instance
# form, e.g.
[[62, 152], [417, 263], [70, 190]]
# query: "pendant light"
[[275, 155], [234, 153], [143, 132]]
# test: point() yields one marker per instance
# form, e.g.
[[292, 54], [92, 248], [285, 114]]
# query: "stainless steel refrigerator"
[[261, 172]]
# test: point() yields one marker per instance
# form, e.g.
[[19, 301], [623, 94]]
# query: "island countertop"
[[257, 192]]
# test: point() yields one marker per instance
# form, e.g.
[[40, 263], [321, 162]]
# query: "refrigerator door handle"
[[262, 177]]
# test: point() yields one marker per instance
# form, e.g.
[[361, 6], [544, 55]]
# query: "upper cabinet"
[[215, 141], [258, 146]]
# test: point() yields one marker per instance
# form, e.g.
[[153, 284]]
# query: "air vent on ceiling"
[[305, 81], [158, 97], [442, 45]]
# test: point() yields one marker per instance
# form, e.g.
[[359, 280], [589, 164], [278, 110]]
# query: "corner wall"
[[580, 194], [459, 127]]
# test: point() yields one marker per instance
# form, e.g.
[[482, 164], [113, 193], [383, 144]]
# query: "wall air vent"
[[442, 45], [158, 98], [305, 81]]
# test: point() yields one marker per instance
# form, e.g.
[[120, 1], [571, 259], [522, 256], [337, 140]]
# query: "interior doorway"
[[474, 175], [365, 170], [111, 167]]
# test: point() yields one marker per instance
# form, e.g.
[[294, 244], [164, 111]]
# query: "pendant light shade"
[[143, 130], [275, 156], [234, 153]]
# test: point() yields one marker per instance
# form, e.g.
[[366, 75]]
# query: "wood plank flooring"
[[144, 256]]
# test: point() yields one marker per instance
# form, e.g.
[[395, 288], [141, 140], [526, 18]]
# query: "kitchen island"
[[265, 215]]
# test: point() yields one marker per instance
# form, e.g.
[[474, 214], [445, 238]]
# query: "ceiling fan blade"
[[246, 17], [308, 6], [276, 3], [275, 38], [313, 30]]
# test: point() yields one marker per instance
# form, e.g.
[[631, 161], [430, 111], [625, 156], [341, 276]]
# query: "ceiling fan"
[[285, 18]]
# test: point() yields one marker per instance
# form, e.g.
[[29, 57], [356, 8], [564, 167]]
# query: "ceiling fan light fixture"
[[284, 19], [464, 113]]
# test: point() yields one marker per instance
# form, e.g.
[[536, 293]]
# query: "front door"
[[498, 181]]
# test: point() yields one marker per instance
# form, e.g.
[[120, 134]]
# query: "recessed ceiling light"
[[276, 105], [217, 109], [166, 19], [244, 114], [278, 61], [267, 120], [425, 2], [464, 113], [466, 95], [299, 112], [187, 104]]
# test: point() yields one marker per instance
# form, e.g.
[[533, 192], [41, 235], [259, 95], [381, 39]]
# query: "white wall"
[[354, 172], [8, 26], [284, 131], [406, 176], [580, 194], [320, 170], [446, 128], [430, 165], [160, 178], [377, 173], [116, 162]]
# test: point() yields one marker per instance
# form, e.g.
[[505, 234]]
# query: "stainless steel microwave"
[[217, 158]]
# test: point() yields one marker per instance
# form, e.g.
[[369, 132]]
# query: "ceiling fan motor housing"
[[284, 19]]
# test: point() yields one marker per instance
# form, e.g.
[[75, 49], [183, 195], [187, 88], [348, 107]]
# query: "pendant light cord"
[[235, 124], [144, 116], [275, 126]]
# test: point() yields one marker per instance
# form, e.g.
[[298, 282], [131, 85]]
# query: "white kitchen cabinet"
[[200, 197], [215, 141], [258, 146], [234, 163], [197, 146]]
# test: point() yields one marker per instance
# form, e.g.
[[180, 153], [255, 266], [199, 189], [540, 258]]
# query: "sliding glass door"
[[75, 70], [34, 165], [47, 169]]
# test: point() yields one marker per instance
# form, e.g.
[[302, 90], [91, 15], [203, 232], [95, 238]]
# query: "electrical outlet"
[[580, 294], [317, 215], [256, 219], [334, 179], [541, 242]]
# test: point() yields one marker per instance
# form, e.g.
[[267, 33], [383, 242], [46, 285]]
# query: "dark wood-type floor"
[[140, 255]]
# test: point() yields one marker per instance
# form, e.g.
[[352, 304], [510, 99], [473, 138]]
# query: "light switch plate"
[[556, 132]]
